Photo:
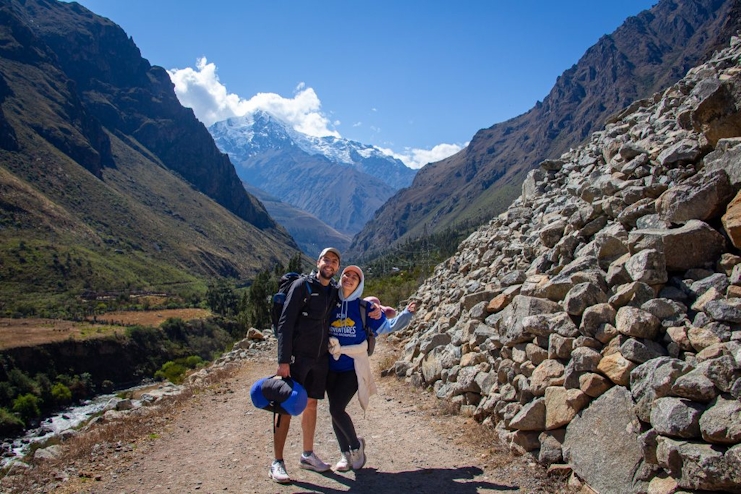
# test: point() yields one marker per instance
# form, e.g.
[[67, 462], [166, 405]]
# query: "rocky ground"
[[214, 440]]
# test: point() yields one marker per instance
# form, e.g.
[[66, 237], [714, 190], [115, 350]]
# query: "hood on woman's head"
[[359, 289], [356, 270]]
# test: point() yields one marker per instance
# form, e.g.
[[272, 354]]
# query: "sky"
[[415, 78]]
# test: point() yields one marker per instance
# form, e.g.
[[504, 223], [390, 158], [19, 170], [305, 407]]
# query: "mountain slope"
[[339, 181], [107, 183], [311, 233], [647, 53]]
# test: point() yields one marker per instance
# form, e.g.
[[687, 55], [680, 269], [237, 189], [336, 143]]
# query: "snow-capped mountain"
[[252, 134], [341, 182]]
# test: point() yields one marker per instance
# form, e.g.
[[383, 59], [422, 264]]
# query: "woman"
[[349, 367]]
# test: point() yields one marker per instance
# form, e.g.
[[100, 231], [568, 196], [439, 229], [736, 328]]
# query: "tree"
[[259, 300], [295, 263], [222, 299]]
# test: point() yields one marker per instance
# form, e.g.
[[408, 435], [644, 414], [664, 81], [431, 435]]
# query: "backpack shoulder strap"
[[307, 289], [370, 337], [364, 312]]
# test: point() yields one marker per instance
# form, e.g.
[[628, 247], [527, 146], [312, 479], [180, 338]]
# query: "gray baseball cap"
[[333, 251]]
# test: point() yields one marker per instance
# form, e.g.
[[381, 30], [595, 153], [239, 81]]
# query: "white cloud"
[[201, 90], [417, 158]]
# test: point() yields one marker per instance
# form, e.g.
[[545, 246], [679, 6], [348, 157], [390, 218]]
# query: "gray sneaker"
[[278, 472], [312, 462], [357, 456]]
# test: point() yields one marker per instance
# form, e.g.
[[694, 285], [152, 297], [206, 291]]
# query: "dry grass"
[[32, 332], [152, 317], [37, 331]]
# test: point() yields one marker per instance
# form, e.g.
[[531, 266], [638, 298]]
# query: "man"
[[303, 337]]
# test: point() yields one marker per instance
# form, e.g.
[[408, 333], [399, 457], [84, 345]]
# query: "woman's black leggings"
[[341, 387]]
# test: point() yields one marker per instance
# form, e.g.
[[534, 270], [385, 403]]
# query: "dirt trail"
[[218, 442]]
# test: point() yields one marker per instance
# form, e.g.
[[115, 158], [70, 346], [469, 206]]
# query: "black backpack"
[[279, 298]]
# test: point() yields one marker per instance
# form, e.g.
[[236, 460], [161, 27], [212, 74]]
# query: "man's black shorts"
[[311, 374]]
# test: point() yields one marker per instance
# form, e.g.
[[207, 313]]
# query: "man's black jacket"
[[303, 328]]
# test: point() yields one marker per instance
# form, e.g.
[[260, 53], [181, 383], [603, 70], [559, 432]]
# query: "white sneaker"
[[278, 472], [312, 462], [357, 456], [344, 464]]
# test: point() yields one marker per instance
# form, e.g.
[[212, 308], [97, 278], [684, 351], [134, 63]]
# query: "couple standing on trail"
[[322, 345]]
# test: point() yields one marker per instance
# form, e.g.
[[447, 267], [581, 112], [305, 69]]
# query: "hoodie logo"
[[343, 327]]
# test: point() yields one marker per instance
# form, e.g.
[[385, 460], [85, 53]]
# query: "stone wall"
[[596, 324]]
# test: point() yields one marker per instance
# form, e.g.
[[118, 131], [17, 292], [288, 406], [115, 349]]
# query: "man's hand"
[[284, 370], [412, 307], [376, 312]]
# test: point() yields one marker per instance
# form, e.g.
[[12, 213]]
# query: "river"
[[74, 416]]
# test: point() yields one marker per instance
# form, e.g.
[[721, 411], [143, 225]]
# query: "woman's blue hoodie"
[[346, 325]]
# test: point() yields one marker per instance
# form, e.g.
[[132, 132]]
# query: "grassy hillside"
[[88, 207]]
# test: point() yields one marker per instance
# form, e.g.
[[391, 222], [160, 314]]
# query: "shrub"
[[61, 394], [171, 371], [22, 382], [7, 393], [193, 361], [10, 425], [82, 386], [174, 371], [27, 408]]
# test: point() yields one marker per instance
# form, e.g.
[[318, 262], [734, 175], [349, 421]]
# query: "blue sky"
[[415, 78]]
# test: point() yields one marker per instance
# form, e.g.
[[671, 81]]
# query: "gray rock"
[[723, 372], [641, 351], [581, 296], [719, 281], [636, 323], [509, 322], [676, 417], [696, 385], [665, 309], [551, 234], [721, 422], [601, 443], [648, 266], [585, 359], [530, 418], [654, 379], [722, 310], [685, 151], [693, 245], [550, 446], [595, 316], [698, 466], [726, 157], [702, 197]]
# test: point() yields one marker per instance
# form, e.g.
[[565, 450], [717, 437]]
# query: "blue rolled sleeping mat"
[[279, 395]]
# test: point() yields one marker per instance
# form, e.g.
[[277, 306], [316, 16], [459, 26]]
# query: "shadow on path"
[[423, 481]]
